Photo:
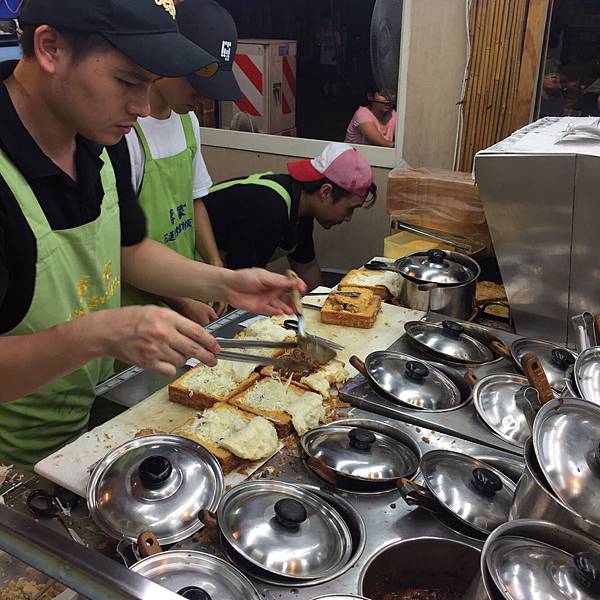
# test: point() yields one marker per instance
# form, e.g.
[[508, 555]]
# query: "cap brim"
[[303, 170], [220, 86], [167, 54]]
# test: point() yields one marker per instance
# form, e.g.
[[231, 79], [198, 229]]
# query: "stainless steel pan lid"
[[587, 374], [555, 359], [158, 483], [495, 399], [197, 576], [278, 527], [475, 492], [359, 453], [411, 382], [449, 339], [434, 266], [524, 569], [566, 437]]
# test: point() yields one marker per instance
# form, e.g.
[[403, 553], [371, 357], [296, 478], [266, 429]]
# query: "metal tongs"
[[311, 346], [287, 363]]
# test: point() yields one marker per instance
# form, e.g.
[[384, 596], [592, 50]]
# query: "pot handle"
[[417, 495], [500, 349], [209, 518], [597, 328], [471, 378], [587, 570], [537, 377], [148, 544], [359, 365]]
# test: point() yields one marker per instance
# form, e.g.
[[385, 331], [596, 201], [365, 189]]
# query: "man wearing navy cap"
[[70, 228]]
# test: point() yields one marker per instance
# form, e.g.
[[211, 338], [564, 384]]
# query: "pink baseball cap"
[[340, 163]]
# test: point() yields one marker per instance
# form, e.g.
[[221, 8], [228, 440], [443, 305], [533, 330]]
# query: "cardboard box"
[[437, 199]]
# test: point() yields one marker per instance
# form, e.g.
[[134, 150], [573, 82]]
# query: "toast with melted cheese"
[[382, 283], [358, 312], [231, 435], [284, 403]]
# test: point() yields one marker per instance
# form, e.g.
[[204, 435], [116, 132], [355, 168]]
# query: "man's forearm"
[[205, 237], [309, 272], [154, 268], [30, 362]]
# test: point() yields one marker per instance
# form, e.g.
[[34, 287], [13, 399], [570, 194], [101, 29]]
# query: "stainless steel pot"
[[568, 540], [438, 281], [533, 499], [425, 563]]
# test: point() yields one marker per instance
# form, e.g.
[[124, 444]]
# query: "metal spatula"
[[312, 347]]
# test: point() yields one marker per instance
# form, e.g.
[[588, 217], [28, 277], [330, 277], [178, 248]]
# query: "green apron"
[[166, 198], [257, 179], [78, 271]]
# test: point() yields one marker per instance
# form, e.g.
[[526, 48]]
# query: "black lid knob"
[[562, 358], [416, 370], [194, 593], [437, 257], [587, 567], [290, 513], [154, 471], [486, 482], [361, 439], [453, 328]]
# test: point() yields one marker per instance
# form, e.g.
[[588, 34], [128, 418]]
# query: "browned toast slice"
[[372, 280], [282, 402], [358, 312], [231, 435]]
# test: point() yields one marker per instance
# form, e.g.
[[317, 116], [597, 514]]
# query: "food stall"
[[421, 454]]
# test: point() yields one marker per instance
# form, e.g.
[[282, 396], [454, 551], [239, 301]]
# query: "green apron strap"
[[257, 179], [143, 141], [24, 195], [188, 131]]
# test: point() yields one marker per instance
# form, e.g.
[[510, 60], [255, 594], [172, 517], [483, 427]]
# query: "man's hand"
[[154, 338], [196, 311], [262, 292]]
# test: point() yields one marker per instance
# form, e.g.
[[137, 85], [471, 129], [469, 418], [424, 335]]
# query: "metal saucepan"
[[358, 458], [586, 330], [469, 490], [456, 342], [355, 525], [438, 281], [411, 383], [483, 586]]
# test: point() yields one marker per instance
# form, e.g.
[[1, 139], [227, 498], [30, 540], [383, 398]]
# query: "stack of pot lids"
[[359, 453], [587, 374], [524, 569], [158, 483], [411, 382], [277, 526], [434, 266], [475, 492], [197, 576], [555, 359], [566, 439], [494, 398], [449, 340]]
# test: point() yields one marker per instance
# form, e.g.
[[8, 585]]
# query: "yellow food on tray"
[[358, 312]]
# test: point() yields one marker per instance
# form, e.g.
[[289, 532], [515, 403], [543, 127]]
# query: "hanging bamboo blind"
[[506, 38]]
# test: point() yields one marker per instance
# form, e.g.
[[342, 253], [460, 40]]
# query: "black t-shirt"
[[66, 203], [251, 221]]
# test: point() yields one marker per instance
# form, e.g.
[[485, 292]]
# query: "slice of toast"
[[282, 403], [202, 386], [383, 283], [320, 380], [231, 435], [358, 312]]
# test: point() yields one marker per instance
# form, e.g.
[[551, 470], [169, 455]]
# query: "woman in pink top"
[[374, 124]]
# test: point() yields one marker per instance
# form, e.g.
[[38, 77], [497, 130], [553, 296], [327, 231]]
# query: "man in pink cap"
[[260, 218]]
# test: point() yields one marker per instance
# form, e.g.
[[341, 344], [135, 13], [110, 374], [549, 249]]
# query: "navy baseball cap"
[[145, 31], [209, 25]]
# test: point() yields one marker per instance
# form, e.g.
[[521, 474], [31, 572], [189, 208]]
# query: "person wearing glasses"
[[375, 123], [260, 218]]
